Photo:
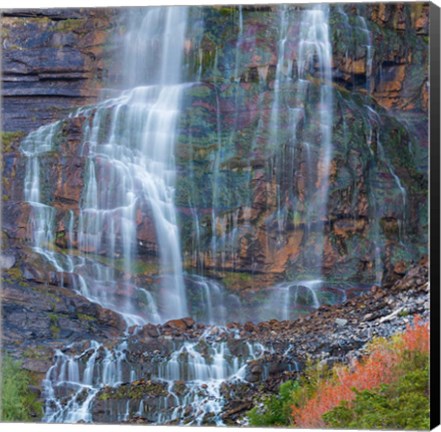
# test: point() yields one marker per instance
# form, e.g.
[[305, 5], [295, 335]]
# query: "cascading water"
[[289, 114], [223, 240], [212, 304], [130, 174], [298, 293], [76, 381], [42, 219], [303, 39], [369, 53], [383, 176], [139, 171], [377, 151], [129, 144], [314, 44], [275, 121], [138, 154]]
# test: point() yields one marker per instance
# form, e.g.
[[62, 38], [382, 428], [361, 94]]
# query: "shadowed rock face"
[[373, 77], [397, 87], [52, 61]]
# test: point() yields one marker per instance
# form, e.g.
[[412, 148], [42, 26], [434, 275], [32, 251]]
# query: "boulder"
[[7, 261]]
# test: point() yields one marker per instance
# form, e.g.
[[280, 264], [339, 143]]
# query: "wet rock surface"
[[39, 318], [408, 295], [67, 58], [286, 345], [331, 334], [55, 61]]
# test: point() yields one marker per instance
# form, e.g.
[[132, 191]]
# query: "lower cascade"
[[216, 193], [186, 383]]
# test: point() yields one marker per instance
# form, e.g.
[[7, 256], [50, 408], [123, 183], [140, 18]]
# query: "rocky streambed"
[[331, 334], [183, 371]]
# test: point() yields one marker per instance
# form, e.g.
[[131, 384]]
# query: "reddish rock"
[[126, 290], [149, 330], [249, 327], [400, 268], [177, 324], [145, 231], [16, 216], [348, 226], [110, 318], [69, 183], [62, 53], [189, 322]]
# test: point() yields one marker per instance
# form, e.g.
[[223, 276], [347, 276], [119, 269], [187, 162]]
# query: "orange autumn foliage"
[[380, 367], [416, 338]]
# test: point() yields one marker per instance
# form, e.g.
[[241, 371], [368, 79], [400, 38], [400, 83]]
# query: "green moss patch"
[[8, 139], [135, 390]]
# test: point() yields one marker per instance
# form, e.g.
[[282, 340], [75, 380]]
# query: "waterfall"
[[369, 54], [138, 154], [215, 186], [287, 298], [42, 220], [215, 306], [275, 121], [130, 176], [315, 44], [302, 40], [314, 60], [395, 187], [224, 225], [129, 144], [75, 382], [137, 159], [154, 46]]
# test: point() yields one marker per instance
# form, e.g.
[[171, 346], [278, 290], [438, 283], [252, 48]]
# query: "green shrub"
[[276, 409], [403, 404], [18, 403], [363, 396]]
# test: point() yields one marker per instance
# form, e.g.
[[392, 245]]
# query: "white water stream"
[[129, 143], [75, 380]]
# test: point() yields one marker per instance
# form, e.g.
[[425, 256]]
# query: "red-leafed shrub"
[[416, 337], [380, 366]]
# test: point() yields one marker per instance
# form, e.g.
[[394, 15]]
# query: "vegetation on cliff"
[[18, 403], [388, 389]]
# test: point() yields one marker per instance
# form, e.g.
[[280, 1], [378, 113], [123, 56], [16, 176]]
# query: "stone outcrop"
[[53, 60], [37, 318], [403, 84]]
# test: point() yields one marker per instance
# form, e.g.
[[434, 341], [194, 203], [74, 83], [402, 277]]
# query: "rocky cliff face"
[[52, 61], [242, 190], [379, 143]]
